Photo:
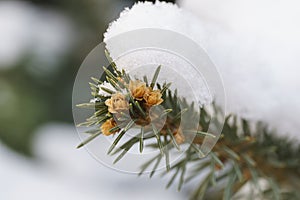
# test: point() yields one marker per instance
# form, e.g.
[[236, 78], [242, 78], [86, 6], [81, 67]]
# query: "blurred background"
[[42, 45]]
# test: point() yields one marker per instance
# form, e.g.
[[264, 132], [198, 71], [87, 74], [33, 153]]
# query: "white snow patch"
[[254, 44]]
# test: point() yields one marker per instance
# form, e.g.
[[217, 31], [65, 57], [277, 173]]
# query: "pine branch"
[[257, 154], [242, 156]]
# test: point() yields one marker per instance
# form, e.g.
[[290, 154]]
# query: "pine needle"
[[142, 140], [155, 76], [121, 134], [90, 138]]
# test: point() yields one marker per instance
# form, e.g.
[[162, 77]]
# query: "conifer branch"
[[242, 156]]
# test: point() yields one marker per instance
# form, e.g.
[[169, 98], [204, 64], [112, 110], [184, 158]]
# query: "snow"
[[254, 44], [107, 86], [177, 70], [147, 15]]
